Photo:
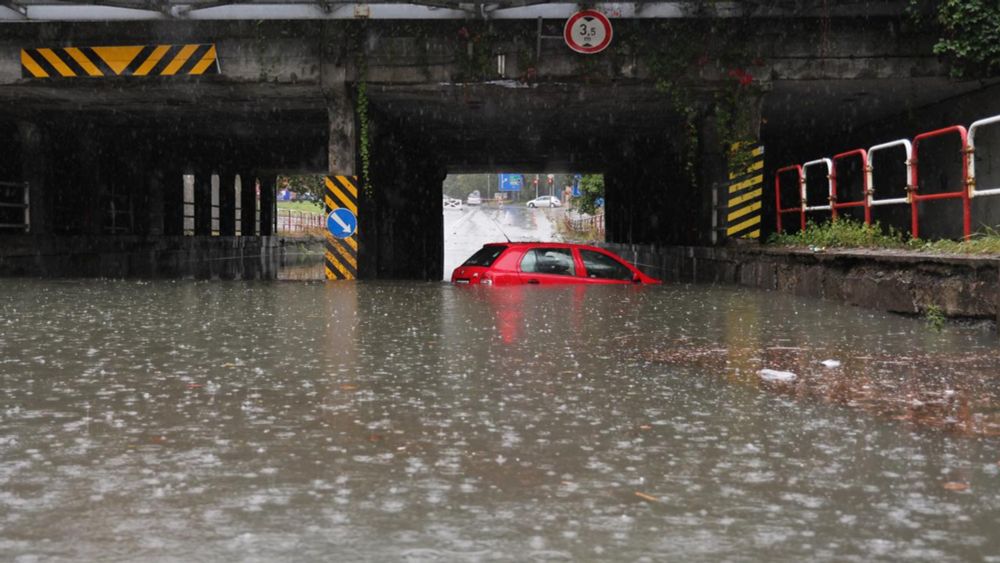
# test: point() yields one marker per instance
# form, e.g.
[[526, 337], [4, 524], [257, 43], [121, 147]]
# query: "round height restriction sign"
[[588, 32]]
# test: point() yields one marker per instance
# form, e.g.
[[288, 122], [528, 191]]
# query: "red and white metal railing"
[[835, 188], [974, 189], [870, 174], [871, 190], [799, 183], [828, 196], [962, 193]]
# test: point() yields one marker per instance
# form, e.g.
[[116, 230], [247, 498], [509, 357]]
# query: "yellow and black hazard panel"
[[132, 60], [341, 204], [745, 193]]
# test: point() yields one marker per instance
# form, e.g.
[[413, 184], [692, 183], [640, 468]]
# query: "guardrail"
[[875, 194], [15, 207], [299, 221]]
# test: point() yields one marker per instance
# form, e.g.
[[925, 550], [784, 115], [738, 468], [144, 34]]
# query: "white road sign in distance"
[[588, 32]]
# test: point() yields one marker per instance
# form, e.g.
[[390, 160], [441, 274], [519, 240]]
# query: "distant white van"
[[474, 199]]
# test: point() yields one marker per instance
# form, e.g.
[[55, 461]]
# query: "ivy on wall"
[[970, 34], [675, 55], [364, 125]]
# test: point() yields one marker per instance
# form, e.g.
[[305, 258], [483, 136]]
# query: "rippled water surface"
[[406, 421]]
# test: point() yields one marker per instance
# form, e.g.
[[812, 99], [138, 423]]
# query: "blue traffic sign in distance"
[[342, 223]]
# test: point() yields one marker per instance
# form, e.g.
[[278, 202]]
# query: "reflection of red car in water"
[[546, 263]]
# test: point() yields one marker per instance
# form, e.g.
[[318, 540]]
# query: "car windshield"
[[486, 256]]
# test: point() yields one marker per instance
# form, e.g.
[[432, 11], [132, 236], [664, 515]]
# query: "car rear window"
[[486, 256]]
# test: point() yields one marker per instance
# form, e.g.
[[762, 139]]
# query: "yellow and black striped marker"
[[341, 253], [134, 60], [746, 188]]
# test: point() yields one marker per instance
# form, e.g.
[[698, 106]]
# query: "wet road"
[[466, 230], [387, 421]]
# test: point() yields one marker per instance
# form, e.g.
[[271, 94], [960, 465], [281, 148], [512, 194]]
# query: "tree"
[[311, 184], [591, 189]]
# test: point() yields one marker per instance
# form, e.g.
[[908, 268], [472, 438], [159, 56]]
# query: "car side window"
[[557, 261], [602, 266]]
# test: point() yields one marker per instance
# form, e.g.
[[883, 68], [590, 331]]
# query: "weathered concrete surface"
[[888, 280], [142, 257]]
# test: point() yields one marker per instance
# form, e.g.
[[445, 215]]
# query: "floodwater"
[[262, 421]]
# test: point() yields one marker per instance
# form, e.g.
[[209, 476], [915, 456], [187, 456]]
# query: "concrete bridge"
[[139, 127]]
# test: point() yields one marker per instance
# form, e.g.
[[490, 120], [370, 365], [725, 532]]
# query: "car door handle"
[[533, 281]]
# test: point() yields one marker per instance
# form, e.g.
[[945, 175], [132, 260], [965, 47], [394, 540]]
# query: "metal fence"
[[795, 194], [299, 221], [592, 224]]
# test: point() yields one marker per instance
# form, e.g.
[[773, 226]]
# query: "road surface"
[[466, 230]]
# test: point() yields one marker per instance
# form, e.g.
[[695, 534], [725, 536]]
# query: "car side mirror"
[[636, 278]]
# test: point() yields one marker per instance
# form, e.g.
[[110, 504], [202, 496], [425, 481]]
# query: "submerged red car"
[[546, 263]]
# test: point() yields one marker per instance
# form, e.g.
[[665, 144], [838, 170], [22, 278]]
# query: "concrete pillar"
[[248, 204], [227, 204], [35, 167], [267, 203], [401, 227], [203, 203], [342, 141], [156, 202], [173, 201]]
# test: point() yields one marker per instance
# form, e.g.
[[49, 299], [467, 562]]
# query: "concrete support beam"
[[267, 203], [227, 204], [203, 203], [342, 142], [248, 204]]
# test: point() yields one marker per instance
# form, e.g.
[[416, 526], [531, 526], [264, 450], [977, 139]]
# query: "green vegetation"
[[591, 188], [312, 184], [304, 206], [970, 34], [841, 234], [934, 316], [846, 233], [364, 122]]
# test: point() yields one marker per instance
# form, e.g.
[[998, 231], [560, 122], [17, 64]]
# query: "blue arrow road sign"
[[341, 222]]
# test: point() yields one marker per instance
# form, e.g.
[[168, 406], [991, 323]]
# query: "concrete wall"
[[900, 282]]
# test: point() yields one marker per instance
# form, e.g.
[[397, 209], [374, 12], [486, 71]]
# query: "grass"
[[841, 234], [304, 206], [846, 233]]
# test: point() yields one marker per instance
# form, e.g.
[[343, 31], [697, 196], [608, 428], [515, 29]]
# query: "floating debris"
[[775, 375]]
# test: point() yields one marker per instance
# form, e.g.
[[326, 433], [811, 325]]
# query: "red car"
[[546, 263]]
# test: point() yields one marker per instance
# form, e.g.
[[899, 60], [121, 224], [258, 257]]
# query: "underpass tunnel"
[[655, 180]]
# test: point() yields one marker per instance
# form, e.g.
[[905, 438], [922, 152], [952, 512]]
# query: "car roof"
[[520, 244]]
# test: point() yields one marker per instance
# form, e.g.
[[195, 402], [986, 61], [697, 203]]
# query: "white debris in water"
[[831, 363], [775, 375]]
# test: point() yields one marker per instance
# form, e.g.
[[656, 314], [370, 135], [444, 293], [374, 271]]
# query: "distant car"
[[545, 201], [546, 263], [474, 199], [451, 203]]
